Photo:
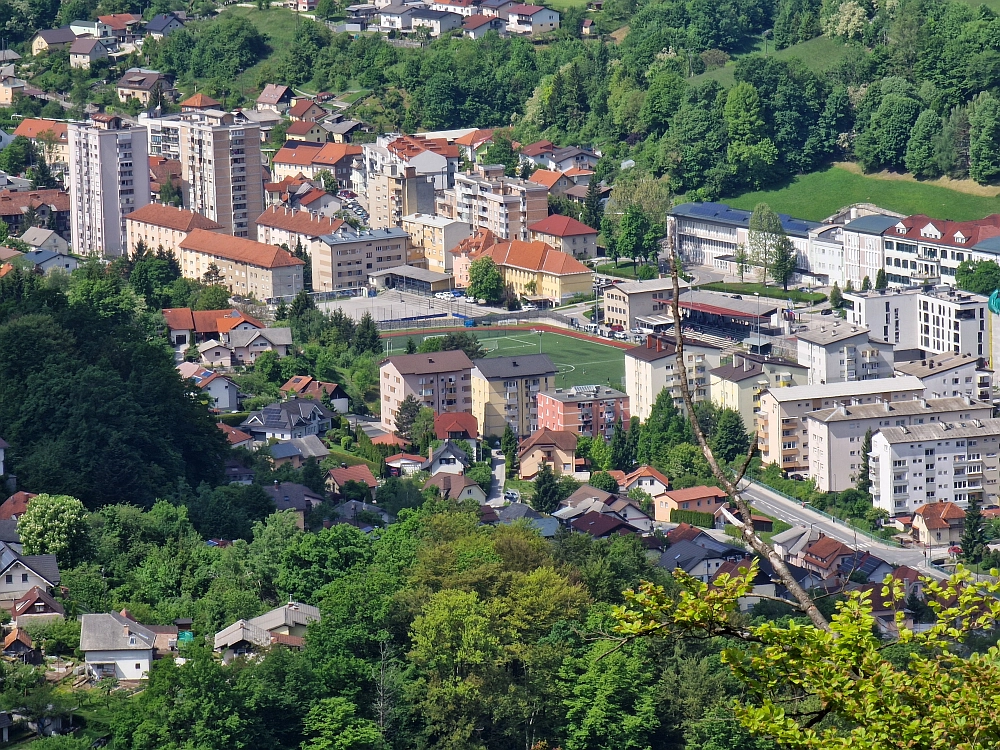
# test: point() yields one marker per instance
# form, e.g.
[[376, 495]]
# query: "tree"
[[411, 346], [467, 342], [742, 260], [730, 440], [920, 148], [333, 724], [783, 262], [637, 236], [984, 139], [170, 195], [864, 482], [508, 446], [213, 275], [603, 481], [546, 497], [836, 298], [367, 339], [980, 277], [620, 458], [600, 454], [485, 281], [751, 155], [422, 431], [215, 297], [18, 155], [593, 209], [974, 537], [56, 525], [881, 282], [866, 283], [501, 151], [765, 238], [409, 410]]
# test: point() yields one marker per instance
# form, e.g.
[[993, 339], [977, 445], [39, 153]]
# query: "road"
[[499, 477], [792, 512]]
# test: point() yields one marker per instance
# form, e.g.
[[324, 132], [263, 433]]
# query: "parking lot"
[[395, 305]]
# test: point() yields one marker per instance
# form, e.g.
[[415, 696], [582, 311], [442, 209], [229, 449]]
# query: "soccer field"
[[577, 361]]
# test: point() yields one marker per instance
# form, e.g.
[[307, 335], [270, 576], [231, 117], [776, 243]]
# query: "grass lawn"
[[747, 288], [623, 269], [564, 4], [578, 362], [820, 194], [281, 26], [355, 95], [525, 487], [819, 54]]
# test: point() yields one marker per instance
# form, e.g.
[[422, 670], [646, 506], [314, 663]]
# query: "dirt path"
[[969, 187]]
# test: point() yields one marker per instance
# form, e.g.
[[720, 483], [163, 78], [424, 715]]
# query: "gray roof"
[[292, 496], [448, 449], [241, 631], [665, 284], [310, 446], [287, 414], [583, 393], [547, 527], [686, 555], [434, 15], [84, 46], [350, 508], [7, 55], [36, 236], [527, 366], [288, 615], [341, 128], [38, 257], [832, 334], [8, 532], [874, 224], [284, 450], [162, 21], [935, 364], [422, 364], [411, 272], [43, 565], [277, 336], [113, 632], [850, 388], [64, 35], [895, 409], [721, 213], [515, 511], [941, 431]]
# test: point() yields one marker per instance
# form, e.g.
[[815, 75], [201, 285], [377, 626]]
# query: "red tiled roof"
[[300, 127], [300, 222], [312, 196], [31, 128], [476, 136], [389, 438], [298, 154], [561, 226], [36, 594], [120, 21], [535, 256], [17, 635], [206, 321], [538, 147], [333, 153], [482, 239], [458, 421], [178, 219], [301, 107], [200, 101], [15, 505], [404, 457], [525, 10], [304, 385], [239, 249], [233, 435], [937, 515], [576, 171], [646, 471], [684, 532], [694, 493], [973, 231], [16, 203], [559, 438], [359, 473], [824, 552], [408, 146]]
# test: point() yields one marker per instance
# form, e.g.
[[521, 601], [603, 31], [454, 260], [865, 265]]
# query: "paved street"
[[499, 475], [792, 512]]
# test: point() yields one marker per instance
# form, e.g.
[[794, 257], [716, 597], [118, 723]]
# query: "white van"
[[591, 328]]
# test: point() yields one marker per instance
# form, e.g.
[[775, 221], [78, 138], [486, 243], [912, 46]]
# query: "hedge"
[[693, 517]]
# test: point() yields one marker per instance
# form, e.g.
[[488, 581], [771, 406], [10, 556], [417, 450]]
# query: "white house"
[[20, 573], [531, 19], [447, 459], [115, 646]]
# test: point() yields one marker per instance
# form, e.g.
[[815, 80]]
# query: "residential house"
[[336, 478], [51, 208], [504, 391], [431, 239], [456, 487], [836, 434], [199, 102], [701, 561], [84, 51], [306, 131], [142, 85], [247, 268], [639, 304], [15, 505], [116, 646], [791, 543], [236, 438], [540, 273], [463, 8], [437, 21], [244, 346], [951, 375], [566, 234], [766, 583], [125, 27], [47, 261], [652, 367], [725, 515], [294, 418], [447, 459], [49, 40], [292, 619], [938, 462], [304, 386], [404, 464], [531, 19], [223, 392], [341, 132], [738, 385], [186, 326], [23, 572], [842, 352], [309, 159], [397, 16], [557, 183], [601, 525], [545, 446], [294, 498], [11, 88], [586, 410], [825, 556], [156, 226], [45, 239], [282, 626], [435, 159], [566, 160], [163, 171], [458, 425], [50, 136], [783, 410], [18, 645], [276, 98], [700, 499], [306, 110], [163, 24], [440, 381], [475, 143], [865, 564], [353, 512], [647, 479], [497, 8], [36, 606]]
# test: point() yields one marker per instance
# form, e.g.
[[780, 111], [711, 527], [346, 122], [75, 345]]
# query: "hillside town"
[[473, 375]]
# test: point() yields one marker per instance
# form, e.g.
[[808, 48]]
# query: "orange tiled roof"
[[234, 436], [301, 154], [937, 515], [16, 203], [239, 249], [694, 493], [120, 21], [32, 128], [300, 127], [559, 438], [300, 222], [332, 153], [545, 177], [535, 256], [301, 107], [200, 100], [476, 136], [561, 226], [456, 421], [15, 505], [576, 171], [408, 146], [178, 219], [206, 321], [481, 240], [646, 471]]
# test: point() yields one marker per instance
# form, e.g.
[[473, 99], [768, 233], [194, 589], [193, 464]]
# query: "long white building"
[[108, 178]]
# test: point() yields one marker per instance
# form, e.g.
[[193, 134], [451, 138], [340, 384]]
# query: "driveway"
[[499, 477]]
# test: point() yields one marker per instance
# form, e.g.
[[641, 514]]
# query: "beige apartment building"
[[738, 385], [158, 226], [486, 198], [248, 268], [431, 239], [221, 171], [651, 367], [505, 389], [345, 258], [441, 381], [836, 434], [397, 191], [782, 433], [625, 303], [539, 272]]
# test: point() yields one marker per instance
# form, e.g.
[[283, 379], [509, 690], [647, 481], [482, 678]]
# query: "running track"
[[542, 327]]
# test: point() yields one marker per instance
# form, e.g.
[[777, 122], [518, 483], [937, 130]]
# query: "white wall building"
[[651, 367], [115, 646], [935, 463], [951, 375], [840, 353], [108, 178]]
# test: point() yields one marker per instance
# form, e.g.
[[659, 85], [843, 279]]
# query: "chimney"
[[968, 401], [923, 403]]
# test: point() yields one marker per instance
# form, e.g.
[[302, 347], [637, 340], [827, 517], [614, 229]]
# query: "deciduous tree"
[[55, 525]]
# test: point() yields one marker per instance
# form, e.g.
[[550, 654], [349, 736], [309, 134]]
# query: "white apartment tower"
[[108, 179], [221, 173]]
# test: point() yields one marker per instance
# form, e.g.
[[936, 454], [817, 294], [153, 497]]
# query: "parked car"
[[444, 295], [621, 336], [617, 328], [511, 496], [827, 311], [347, 194], [457, 292]]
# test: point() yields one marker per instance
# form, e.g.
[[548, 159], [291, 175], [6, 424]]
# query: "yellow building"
[[738, 385], [504, 390], [537, 271]]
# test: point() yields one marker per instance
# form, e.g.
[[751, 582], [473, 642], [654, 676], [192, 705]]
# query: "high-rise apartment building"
[[108, 179], [486, 198], [221, 173]]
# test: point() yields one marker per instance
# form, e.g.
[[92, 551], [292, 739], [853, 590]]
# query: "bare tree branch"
[[745, 525]]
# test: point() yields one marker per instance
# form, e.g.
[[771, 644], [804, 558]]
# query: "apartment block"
[[782, 433], [309, 159], [344, 258], [951, 375], [394, 192], [49, 136], [566, 234], [625, 303], [738, 385], [441, 381], [863, 251], [108, 179], [158, 226], [944, 462], [539, 272], [935, 320], [221, 171], [504, 390], [283, 226], [505, 205], [431, 239], [839, 353], [836, 434], [652, 367], [248, 268], [585, 410]]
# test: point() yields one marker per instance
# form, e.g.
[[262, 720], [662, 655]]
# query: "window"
[[24, 577], [9, 578]]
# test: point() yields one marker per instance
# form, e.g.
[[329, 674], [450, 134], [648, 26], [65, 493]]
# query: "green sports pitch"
[[577, 361]]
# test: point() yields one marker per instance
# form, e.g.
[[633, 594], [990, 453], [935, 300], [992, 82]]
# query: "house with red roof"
[[221, 390], [248, 268], [825, 556], [701, 499], [309, 159], [458, 425], [566, 234], [280, 225], [198, 103], [306, 110], [647, 479], [404, 464], [36, 606], [187, 326], [157, 225], [938, 524], [540, 272], [15, 505], [337, 478], [308, 131], [304, 386], [235, 437]]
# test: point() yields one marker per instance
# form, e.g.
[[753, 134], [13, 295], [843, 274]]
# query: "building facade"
[[504, 391], [344, 259], [623, 303], [651, 367], [488, 199], [738, 385], [840, 353], [441, 381], [431, 239], [585, 410], [108, 179], [246, 267], [156, 226], [954, 375]]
